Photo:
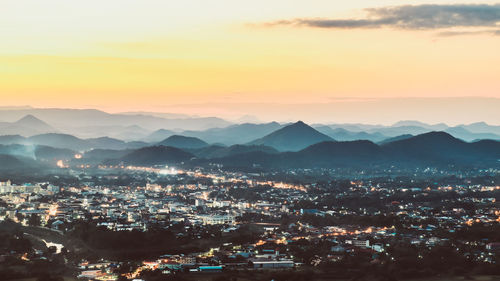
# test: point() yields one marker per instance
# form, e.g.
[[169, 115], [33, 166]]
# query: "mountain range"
[[46, 135], [154, 127]]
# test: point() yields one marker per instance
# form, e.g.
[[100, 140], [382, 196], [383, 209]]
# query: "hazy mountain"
[[293, 137], [235, 134], [60, 141], [71, 142], [134, 144], [18, 164], [183, 142], [481, 127], [126, 133], [464, 134], [129, 133], [27, 151], [31, 122], [159, 135], [37, 152], [26, 126], [425, 150], [66, 119], [413, 123], [48, 153], [106, 142], [400, 130], [356, 127], [160, 114], [341, 134], [248, 119], [99, 155], [396, 138], [12, 139], [156, 155]]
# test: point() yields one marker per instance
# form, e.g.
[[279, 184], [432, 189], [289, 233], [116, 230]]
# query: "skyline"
[[218, 58]]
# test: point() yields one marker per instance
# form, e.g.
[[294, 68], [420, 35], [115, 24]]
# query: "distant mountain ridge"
[[26, 126], [235, 134], [66, 141], [430, 149], [293, 137]]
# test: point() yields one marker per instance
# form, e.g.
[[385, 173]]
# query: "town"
[[133, 223]]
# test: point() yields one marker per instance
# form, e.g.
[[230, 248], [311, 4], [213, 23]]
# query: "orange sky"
[[153, 55]]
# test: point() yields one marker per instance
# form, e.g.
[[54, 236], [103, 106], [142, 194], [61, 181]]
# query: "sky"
[[266, 58]]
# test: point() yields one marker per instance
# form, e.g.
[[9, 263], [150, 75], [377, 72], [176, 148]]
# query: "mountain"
[[69, 119], [12, 139], [26, 126], [413, 123], [293, 137], [60, 141], [126, 133], [440, 148], [481, 127], [215, 151], [97, 156], [400, 130], [183, 142], [31, 122], [71, 142], [323, 154], [18, 164], [27, 151], [106, 142], [341, 134], [48, 153], [235, 134], [425, 150], [356, 127], [466, 135], [159, 135], [352, 153], [155, 155], [433, 149], [37, 152], [396, 138]]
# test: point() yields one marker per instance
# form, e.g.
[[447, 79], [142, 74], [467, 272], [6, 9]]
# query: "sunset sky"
[[175, 56]]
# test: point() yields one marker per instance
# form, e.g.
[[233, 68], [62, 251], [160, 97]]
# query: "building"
[[273, 264], [217, 219]]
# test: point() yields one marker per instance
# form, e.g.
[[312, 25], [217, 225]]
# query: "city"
[[263, 140], [205, 222]]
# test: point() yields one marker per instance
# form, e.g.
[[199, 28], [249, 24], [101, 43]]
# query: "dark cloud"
[[478, 32], [419, 17]]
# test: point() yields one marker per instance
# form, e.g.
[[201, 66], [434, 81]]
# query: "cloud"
[[477, 32], [411, 17]]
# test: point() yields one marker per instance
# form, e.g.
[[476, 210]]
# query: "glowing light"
[[53, 210], [60, 164]]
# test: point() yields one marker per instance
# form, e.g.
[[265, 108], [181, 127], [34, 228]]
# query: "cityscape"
[[266, 140], [181, 209]]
